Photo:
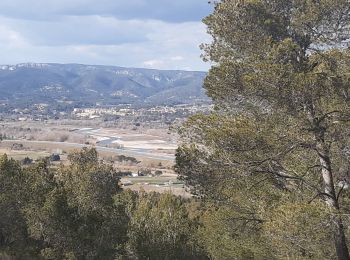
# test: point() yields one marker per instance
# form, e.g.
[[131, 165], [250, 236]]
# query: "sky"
[[160, 34]]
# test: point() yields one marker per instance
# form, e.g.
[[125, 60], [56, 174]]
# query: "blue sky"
[[162, 34]]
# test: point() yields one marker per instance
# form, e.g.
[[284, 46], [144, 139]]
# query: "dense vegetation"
[[80, 212], [274, 157]]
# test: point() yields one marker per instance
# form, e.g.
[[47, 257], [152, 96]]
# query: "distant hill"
[[33, 83]]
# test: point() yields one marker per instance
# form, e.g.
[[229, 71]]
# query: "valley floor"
[[153, 150]]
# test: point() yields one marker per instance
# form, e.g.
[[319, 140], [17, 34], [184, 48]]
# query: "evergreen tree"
[[160, 228], [71, 210], [14, 238], [281, 85]]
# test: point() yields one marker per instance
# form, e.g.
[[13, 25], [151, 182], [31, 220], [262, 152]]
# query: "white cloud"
[[153, 63], [11, 38], [96, 39], [177, 58]]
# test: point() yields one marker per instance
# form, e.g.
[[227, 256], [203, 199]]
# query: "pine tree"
[[281, 84]]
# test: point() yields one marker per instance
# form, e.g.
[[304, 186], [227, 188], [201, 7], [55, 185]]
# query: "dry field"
[[167, 183], [153, 148]]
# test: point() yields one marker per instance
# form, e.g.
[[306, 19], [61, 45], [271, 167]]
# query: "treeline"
[[79, 211]]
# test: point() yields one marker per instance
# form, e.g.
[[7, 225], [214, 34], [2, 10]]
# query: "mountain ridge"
[[84, 85], [46, 64]]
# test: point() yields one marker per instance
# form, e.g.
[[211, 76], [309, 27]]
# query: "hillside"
[[86, 85]]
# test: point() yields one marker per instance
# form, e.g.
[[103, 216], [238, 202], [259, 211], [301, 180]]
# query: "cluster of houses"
[[128, 111]]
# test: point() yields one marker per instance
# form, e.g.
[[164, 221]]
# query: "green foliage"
[[123, 158], [78, 211], [158, 173], [160, 228], [55, 157], [278, 140], [300, 231], [64, 213], [14, 238], [84, 157], [27, 161], [89, 183], [228, 235]]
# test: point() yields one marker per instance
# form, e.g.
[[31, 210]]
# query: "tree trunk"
[[340, 239], [331, 200], [328, 181]]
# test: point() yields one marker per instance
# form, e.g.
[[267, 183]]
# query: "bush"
[[55, 157], [27, 161], [158, 173]]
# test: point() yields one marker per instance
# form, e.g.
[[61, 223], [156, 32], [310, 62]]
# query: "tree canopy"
[[79, 211], [279, 136]]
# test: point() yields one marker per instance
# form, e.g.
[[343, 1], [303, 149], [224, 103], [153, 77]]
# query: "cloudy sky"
[[162, 34]]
